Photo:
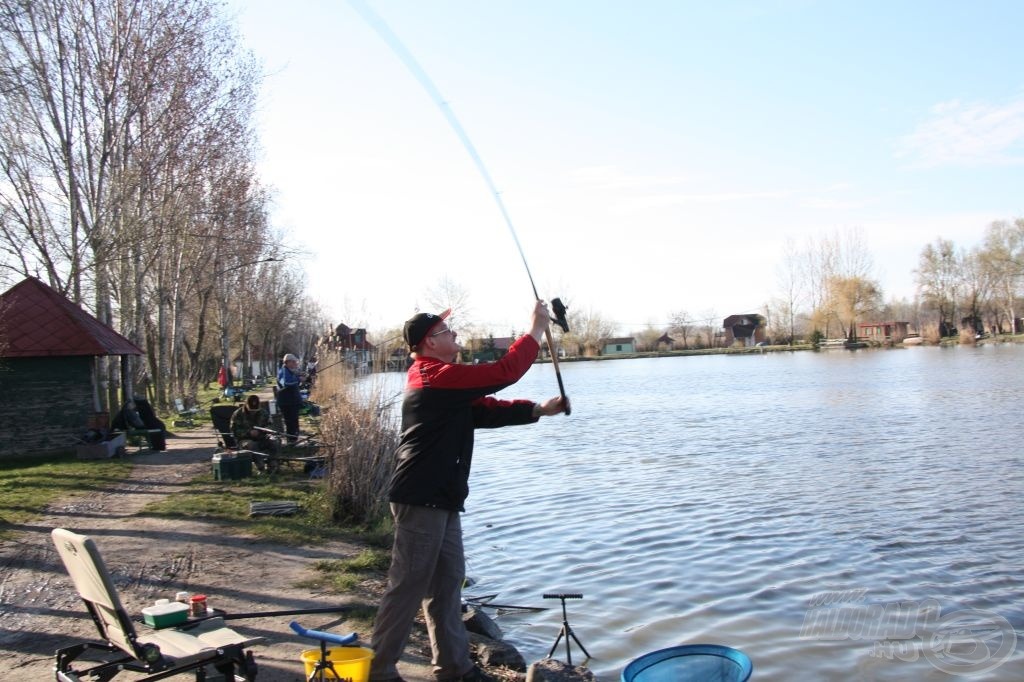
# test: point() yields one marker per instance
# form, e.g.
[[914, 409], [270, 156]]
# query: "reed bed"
[[358, 434]]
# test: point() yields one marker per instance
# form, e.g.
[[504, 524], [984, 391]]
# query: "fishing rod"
[[268, 614], [312, 438], [388, 36]]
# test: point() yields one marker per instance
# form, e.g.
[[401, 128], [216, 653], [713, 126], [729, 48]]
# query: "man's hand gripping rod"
[[558, 308]]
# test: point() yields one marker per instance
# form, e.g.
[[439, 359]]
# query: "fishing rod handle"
[[558, 374]]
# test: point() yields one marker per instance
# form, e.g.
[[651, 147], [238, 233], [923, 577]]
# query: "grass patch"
[[344, 575], [380, 534], [367, 561], [28, 486], [227, 502]]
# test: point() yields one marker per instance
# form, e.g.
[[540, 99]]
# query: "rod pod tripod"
[[323, 666], [566, 630]]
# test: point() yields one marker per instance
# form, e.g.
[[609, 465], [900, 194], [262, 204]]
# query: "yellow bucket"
[[350, 662]]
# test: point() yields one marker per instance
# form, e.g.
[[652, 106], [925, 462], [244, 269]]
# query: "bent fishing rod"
[[388, 36]]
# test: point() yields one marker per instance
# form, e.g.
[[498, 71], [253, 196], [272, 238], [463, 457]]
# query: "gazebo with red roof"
[[49, 386]]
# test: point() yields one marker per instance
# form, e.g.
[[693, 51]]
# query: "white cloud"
[[967, 134]]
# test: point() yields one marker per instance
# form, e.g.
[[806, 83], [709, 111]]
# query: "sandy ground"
[[151, 558]]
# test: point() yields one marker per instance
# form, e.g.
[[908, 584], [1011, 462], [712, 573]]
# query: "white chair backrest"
[[179, 405], [92, 581]]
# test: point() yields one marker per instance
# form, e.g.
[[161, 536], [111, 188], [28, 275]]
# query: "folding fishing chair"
[[159, 653], [185, 414], [220, 416]]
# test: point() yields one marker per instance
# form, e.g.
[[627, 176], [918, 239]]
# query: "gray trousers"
[[428, 568]]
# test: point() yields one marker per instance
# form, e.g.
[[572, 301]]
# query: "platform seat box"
[[232, 467]]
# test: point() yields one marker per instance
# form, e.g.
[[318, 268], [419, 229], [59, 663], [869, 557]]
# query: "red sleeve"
[[491, 413], [430, 373]]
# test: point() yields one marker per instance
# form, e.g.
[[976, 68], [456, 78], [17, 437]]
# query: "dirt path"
[[150, 558]]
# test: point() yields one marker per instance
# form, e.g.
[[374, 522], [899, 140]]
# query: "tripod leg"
[[568, 651], [579, 643], [318, 674], [325, 663], [557, 640]]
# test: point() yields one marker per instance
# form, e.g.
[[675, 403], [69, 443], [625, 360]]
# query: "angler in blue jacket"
[[289, 399], [444, 402]]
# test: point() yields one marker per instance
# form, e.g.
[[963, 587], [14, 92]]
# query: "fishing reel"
[[558, 308]]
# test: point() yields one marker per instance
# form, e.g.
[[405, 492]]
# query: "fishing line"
[[386, 34]]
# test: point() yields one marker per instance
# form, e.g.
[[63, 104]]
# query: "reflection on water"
[[833, 515]]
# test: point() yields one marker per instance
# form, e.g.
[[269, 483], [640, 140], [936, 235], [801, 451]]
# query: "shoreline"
[[756, 350]]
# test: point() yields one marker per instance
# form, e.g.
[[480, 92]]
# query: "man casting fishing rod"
[[444, 402]]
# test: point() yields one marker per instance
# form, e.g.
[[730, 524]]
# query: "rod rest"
[[344, 640]]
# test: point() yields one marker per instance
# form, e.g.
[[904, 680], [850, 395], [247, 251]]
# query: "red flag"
[[222, 377]]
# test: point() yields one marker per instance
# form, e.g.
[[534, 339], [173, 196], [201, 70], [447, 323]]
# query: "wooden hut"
[[49, 384]]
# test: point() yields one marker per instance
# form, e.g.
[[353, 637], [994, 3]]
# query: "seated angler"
[[248, 424]]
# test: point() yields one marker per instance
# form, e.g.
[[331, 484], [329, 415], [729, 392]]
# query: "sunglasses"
[[444, 331]]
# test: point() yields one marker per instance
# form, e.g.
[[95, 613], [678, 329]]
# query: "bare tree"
[[711, 323], [1002, 256], [681, 325], [938, 281], [587, 331], [902, 309], [975, 289], [791, 291], [834, 258], [449, 294], [647, 338], [818, 266], [127, 181]]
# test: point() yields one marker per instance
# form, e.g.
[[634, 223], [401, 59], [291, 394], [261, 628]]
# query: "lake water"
[[836, 516]]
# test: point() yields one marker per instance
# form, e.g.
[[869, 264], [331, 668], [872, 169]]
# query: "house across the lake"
[[883, 332], [490, 349], [619, 346], [350, 344], [744, 330]]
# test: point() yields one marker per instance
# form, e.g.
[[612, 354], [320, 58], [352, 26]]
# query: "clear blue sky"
[[654, 156]]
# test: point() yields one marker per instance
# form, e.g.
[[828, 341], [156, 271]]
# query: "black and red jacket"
[[443, 404]]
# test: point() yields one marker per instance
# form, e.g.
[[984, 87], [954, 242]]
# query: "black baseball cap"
[[418, 325]]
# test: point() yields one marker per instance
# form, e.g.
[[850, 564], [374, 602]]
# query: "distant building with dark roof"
[[747, 330], [665, 342], [350, 344]]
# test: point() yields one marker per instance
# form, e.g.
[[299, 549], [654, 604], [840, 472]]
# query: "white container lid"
[[164, 609]]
